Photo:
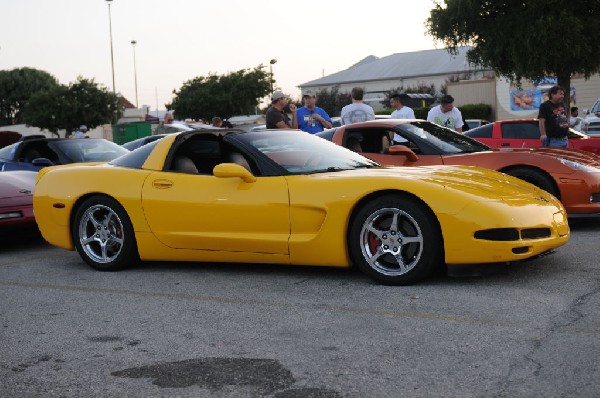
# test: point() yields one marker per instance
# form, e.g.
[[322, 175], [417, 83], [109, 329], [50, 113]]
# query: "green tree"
[[67, 107], [236, 93], [522, 39], [16, 88], [332, 101]]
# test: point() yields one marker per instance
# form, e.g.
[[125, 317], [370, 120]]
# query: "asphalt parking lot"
[[239, 330]]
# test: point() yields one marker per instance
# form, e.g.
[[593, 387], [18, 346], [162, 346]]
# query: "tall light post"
[[271, 63], [112, 58], [133, 43]]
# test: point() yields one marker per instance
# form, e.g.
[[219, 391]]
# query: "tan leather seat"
[[354, 144], [184, 164], [236, 157]]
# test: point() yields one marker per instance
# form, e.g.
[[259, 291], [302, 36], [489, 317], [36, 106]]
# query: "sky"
[[178, 40]]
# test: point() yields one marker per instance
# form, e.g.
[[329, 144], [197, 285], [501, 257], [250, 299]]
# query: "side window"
[[197, 155], [481, 132], [520, 131]]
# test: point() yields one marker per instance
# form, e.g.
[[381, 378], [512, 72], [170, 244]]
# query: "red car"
[[573, 176], [16, 199], [525, 133]]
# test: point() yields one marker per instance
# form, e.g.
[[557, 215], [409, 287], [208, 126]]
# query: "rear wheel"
[[103, 234], [395, 240], [535, 177]]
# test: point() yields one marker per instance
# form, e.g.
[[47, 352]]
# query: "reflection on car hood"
[[483, 183], [575, 155], [16, 184]]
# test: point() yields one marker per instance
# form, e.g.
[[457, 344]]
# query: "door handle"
[[504, 144], [162, 184]]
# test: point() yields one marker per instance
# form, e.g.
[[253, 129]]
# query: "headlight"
[[578, 166]]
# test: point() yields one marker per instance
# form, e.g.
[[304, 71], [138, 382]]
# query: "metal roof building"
[[401, 70]]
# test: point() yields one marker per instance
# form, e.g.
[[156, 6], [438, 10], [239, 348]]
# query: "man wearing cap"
[[276, 117], [311, 118], [81, 132]]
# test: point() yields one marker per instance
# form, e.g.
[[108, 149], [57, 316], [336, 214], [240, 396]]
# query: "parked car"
[[525, 133], [283, 196], [593, 119], [135, 144], [8, 137], [571, 175], [472, 123], [38, 152], [16, 200]]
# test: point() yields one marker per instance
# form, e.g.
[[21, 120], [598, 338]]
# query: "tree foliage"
[[16, 88], [522, 39], [236, 93], [67, 107]]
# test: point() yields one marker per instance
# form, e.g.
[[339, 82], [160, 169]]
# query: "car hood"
[[15, 184], [479, 182], [574, 155]]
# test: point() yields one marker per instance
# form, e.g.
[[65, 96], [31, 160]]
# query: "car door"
[[201, 211], [520, 135]]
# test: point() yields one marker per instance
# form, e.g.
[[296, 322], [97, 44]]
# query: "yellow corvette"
[[292, 198]]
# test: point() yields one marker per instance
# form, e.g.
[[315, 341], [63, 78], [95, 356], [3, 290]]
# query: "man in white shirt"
[[401, 110], [357, 111], [576, 122], [446, 114]]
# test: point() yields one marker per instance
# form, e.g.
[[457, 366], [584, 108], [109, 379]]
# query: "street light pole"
[[271, 63], [133, 43], [112, 58]]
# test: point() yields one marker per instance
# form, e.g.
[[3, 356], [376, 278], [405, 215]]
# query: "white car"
[[593, 119]]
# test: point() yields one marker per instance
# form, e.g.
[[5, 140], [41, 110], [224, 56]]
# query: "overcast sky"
[[178, 40]]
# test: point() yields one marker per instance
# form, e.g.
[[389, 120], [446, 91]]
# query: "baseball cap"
[[83, 127], [277, 95], [309, 93]]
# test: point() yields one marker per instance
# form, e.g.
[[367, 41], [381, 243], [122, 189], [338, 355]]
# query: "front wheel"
[[395, 240], [103, 234]]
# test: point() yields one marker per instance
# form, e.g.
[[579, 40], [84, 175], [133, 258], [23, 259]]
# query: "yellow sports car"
[[292, 198]]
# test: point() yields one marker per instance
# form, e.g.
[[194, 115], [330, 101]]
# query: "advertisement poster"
[[528, 100], [525, 100]]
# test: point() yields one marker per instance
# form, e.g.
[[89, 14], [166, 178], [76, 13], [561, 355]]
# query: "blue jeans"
[[559, 142]]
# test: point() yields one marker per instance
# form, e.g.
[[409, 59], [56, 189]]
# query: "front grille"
[[512, 234], [594, 126], [498, 234], [536, 233]]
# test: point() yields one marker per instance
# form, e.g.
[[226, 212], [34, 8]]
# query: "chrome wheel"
[[391, 241], [101, 234]]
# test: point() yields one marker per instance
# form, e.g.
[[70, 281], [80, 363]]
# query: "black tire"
[[395, 240], [535, 177], [103, 234]]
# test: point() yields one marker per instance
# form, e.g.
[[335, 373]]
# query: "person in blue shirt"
[[311, 118]]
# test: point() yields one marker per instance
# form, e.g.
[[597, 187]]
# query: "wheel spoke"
[[412, 239], [401, 262], [375, 257]]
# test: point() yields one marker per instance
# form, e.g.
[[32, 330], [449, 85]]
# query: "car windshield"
[[88, 150], [444, 139], [302, 153]]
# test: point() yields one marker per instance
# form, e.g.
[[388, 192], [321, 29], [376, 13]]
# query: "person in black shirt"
[[553, 121]]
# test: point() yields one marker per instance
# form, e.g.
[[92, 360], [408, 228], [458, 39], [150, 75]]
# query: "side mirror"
[[42, 162], [402, 150], [229, 170]]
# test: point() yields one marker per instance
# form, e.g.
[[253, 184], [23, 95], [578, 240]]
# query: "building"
[[403, 70], [467, 83]]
